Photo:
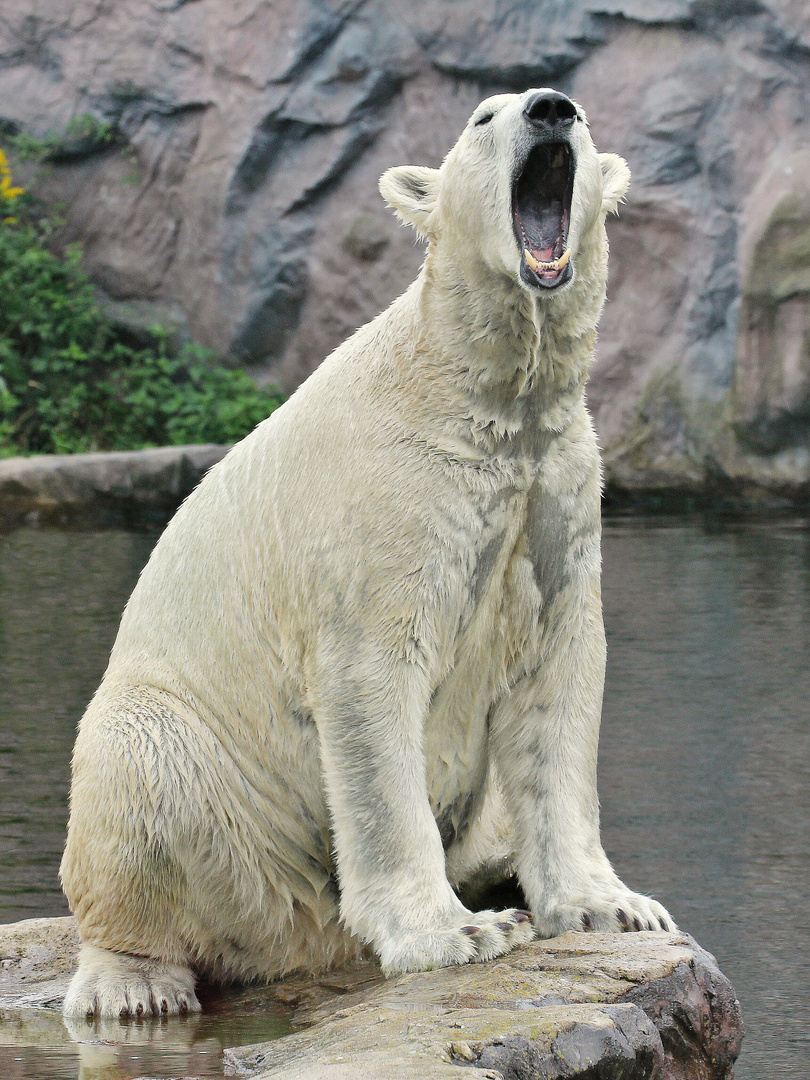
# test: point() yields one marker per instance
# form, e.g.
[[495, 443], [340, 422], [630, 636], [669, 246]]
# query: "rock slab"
[[602, 1007], [102, 488], [648, 1006], [37, 960]]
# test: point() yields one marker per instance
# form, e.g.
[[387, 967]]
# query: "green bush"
[[68, 382], [82, 135]]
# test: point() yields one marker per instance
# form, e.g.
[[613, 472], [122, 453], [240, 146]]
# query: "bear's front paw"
[[110, 985], [480, 936], [610, 911]]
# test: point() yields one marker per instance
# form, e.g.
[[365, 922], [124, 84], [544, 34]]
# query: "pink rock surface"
[[242, 190]]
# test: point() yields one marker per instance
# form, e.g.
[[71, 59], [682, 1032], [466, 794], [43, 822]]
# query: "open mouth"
[[541, 214]]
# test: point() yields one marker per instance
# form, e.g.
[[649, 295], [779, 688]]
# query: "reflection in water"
[[40, 1045], [703, 775]]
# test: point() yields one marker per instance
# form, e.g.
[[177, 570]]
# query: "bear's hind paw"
[[112, 985]]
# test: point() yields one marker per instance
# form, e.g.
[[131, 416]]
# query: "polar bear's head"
[[522, 190]]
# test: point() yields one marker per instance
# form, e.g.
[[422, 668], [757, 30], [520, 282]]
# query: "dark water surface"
[[705, 763], [705, 755]]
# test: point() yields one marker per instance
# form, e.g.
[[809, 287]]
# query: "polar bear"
[[366, 657]]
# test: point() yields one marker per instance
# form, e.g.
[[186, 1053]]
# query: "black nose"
[[548, 109]]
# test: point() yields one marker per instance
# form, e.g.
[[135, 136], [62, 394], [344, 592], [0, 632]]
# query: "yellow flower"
[[7, 190]]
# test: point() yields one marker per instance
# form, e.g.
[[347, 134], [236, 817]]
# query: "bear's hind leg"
[[128, 869], [112, 984]]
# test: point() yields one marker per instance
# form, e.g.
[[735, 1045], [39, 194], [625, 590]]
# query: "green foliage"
[[69, 383], [82, 135]]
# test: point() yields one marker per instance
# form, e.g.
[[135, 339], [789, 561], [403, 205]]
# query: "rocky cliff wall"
[[240, 194]]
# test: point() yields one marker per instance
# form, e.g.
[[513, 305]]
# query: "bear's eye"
[[485, 119]]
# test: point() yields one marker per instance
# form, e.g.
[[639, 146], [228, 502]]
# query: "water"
[[705, 755], [703, 776], [61, 596], [36, 1045]]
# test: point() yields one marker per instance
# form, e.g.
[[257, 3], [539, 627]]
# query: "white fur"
[[379, 612]]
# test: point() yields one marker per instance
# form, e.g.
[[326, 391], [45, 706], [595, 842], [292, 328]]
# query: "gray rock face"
[[241, 191], [593, 1006]]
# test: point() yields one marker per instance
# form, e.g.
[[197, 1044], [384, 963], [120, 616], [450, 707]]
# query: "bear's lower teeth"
[[534, 264]]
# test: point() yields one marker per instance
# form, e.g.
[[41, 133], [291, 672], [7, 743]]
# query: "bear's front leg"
[[393, 885], [544, 737]]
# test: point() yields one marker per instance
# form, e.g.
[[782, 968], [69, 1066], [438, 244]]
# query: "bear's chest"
[[528, 559], [536, 548]]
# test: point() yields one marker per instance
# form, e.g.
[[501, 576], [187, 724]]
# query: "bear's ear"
[[615, 181], [410, 190]]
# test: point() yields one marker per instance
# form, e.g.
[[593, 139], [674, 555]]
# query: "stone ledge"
[[37, 960], [145, 487], [102, 488], [618, 1007], [648, 1006]]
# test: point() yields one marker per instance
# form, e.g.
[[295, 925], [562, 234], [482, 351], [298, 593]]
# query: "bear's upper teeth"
[[557, 264]]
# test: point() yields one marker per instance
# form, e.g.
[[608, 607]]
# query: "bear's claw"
[[626, 913], [115, 985], [491, 934]]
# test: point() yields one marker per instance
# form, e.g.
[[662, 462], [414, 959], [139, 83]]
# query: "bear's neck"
[[503, 364]]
